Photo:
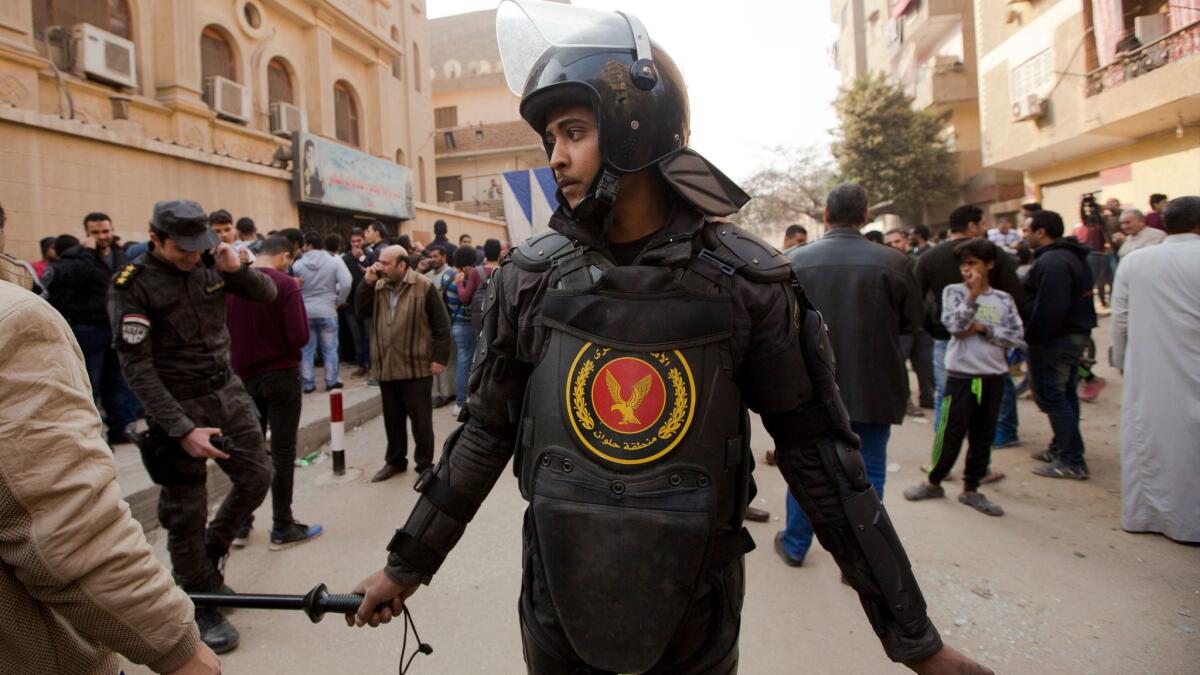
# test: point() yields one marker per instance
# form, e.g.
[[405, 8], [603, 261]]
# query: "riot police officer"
[[168, 315], [619, 355]]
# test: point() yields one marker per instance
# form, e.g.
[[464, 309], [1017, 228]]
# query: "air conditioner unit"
[[230, 99], [1030, 107], [286, 118], [103, 56]]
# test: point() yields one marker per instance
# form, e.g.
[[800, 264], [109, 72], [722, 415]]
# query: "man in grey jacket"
[[324, 285]]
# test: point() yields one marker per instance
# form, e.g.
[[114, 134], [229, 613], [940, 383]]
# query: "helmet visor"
[[526, 29]]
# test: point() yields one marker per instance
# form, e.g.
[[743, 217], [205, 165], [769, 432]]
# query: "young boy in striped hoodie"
[[984, 323]]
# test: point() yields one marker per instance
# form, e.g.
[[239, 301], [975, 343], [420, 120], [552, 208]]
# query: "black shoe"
[[309, 390], [757, 515], [787, 559], [331, 387], [243, 535], [293, 534], [1046, 455], [388, 471], [1057, 469], [215, 631], [118, 437], [442, 401]]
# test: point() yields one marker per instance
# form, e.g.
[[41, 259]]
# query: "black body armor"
[[632, 453]]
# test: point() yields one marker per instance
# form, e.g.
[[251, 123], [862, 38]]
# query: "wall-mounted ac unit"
[[1030, 107], [103, 56], [286, 118], [230, 99]]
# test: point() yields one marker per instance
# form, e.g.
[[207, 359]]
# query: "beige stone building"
[[927, 47], [1069, 99], [479, 131], [111, 105]]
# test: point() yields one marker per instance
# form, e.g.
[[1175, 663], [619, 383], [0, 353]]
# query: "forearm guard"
[[826, 474], [451, 493]]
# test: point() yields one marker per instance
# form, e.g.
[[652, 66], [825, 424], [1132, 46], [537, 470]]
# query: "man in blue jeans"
[[324, 285], [868, 297], [1059, 316], [78, 289]]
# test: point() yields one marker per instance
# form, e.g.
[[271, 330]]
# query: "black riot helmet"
[[556, 54]]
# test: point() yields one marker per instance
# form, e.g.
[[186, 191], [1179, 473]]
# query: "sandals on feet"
[[980, 503], [992, 477]]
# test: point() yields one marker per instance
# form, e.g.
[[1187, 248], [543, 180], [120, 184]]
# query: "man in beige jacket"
[[78, 580], [410, 343]]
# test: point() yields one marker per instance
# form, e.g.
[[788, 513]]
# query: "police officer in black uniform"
[[168, 314], [618, 358]]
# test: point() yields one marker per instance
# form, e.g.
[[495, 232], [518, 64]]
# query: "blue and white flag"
[[528, 202]]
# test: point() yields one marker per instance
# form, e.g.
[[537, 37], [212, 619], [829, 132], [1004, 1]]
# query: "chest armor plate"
[[632, 457]]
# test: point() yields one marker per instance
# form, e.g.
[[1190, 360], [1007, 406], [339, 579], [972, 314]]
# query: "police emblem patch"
[[134, 328], [628, 407]]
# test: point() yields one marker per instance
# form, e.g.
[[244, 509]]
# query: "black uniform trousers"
[[706, 642], [183, 509], [970, 407], [277, 395], [408, 400]]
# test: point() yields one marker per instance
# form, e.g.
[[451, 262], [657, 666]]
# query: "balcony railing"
[[1177, 46]]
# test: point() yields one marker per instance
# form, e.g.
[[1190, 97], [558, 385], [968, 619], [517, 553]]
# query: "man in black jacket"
[[1059, 316], [868, 297], [79, 289], [936, 269]]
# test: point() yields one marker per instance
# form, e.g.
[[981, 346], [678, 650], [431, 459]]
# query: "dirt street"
[[1054, 586]]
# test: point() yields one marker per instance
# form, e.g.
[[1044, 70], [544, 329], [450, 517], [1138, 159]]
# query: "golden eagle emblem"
[[627, 408]]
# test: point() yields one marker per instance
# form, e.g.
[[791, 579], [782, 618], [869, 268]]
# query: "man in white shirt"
[[1156, 344], [1004, 236], [1134, 234]]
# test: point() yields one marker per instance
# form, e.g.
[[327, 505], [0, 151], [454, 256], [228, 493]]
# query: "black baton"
[[316, 603]]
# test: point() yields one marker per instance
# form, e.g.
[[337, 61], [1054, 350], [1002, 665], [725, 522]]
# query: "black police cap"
[[186, 223]]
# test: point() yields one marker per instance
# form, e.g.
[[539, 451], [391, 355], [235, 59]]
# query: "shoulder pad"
[[126, 275], [751, 257], [536, 253]]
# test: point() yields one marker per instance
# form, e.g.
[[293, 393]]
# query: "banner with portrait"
[[327, 173]]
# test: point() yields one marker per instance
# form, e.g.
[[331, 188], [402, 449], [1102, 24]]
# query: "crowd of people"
[[994, 303]]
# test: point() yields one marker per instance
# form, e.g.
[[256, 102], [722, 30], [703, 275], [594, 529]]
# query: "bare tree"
[[793, 185]]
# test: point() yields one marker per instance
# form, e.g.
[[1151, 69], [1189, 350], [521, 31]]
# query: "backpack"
[[475, 311]]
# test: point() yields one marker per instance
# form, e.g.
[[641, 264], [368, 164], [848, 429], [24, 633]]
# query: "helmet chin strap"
[[596, 205]]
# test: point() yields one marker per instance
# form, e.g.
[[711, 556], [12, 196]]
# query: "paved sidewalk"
[[360, 404]]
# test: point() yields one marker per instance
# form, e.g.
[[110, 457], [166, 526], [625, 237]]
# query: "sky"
[[759, 72]]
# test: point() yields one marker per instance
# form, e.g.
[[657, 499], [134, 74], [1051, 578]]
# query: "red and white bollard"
[[337, 432]]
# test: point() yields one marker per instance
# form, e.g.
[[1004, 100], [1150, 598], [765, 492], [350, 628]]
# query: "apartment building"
[[1090, 96], [928, 48], [479, 133], [112, 105]]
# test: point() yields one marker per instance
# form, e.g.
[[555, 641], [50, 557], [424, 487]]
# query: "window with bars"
[[216, 56], [279, 83], [445, 118], [1033, 77], [110, 15], [345, 112]]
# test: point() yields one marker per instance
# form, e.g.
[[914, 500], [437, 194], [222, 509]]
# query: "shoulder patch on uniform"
[[134, 328], [126, 275], [536, 253], [752, 257]]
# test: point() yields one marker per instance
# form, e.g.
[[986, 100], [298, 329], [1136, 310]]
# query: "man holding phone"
[[167, 310]]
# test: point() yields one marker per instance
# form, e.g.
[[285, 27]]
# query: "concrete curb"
[[309, 437]]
